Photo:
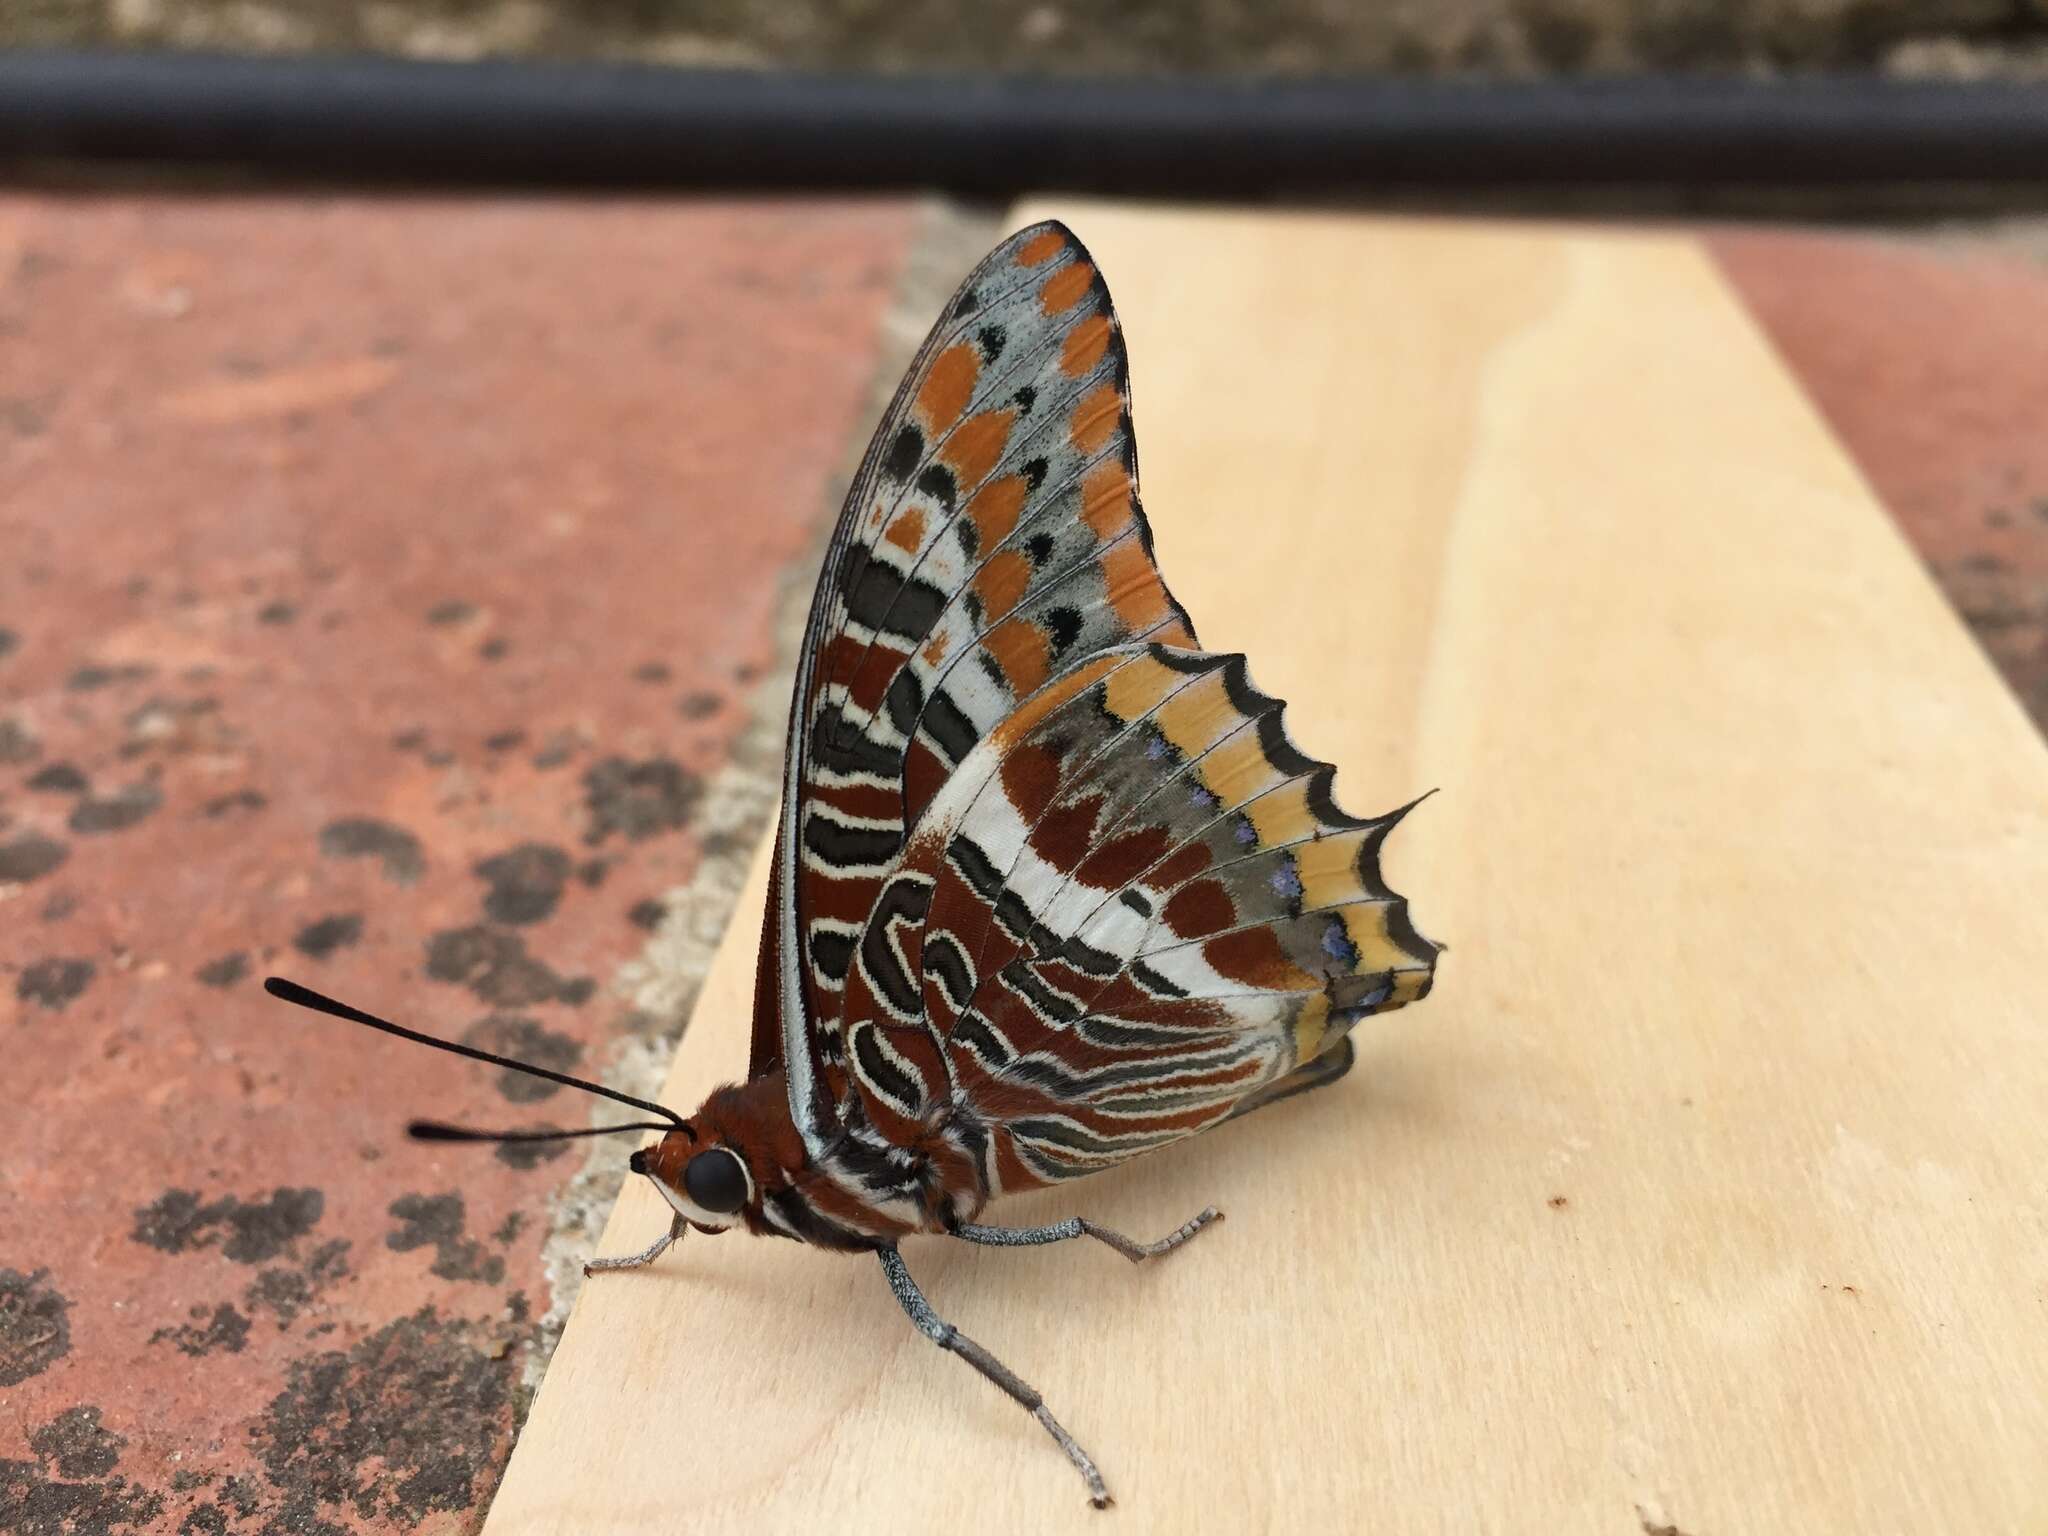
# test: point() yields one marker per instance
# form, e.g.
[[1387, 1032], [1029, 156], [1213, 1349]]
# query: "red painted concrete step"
[[383, 583]]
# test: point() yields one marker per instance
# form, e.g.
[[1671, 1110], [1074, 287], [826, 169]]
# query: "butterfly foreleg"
[[947, 1337], [647, 1255], [1080, 1226]]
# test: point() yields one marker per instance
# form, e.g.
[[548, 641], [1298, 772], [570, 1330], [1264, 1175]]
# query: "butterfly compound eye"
[[715, 1181]]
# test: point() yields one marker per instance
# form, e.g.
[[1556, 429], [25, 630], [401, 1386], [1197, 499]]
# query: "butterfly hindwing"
[[992, 541], [1145, 911]]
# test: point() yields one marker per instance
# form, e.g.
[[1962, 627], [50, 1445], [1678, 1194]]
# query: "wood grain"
[[1707, 1190]]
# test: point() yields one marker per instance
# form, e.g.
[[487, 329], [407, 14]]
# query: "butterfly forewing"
[[990, 540]]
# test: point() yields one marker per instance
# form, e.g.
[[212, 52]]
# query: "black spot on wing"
[[906, 452], [842, 846], [904, 901], [831, 953], [882, 1074], [948, 728], [879, 599], [937, 482], [945, 961], [1063, 624]]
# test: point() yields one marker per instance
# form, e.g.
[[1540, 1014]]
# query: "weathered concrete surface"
[[383, 584], [1930, 360], [1945, 38]]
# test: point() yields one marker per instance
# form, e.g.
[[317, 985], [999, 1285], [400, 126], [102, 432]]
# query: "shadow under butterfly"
[[1052, 886]]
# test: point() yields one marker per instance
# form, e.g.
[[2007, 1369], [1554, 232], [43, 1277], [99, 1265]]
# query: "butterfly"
[[1052, 886]]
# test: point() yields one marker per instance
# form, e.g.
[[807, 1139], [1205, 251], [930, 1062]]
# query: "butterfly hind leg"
[[951, 1339], [1081, 1226]]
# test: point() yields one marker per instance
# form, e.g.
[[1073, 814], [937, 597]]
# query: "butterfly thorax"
[[859, 1192]]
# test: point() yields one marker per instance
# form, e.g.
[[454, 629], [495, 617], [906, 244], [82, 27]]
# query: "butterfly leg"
[[647, 1255], [947, 1337], [1081, 1226]]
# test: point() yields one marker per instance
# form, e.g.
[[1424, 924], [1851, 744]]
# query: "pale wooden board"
[[1742, 856]]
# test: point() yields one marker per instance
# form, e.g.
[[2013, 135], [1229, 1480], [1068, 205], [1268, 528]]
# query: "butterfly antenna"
[[306, 997], [438, 1130]]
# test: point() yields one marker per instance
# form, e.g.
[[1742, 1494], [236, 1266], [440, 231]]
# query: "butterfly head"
[[706, 1182], [718, 1167]]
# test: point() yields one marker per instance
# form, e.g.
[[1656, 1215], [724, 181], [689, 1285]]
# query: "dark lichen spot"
[[451, 611], [699, 705], [647, 915], [556, 750], [285, 1291], [68, 1488], [116, 812], [436, 1221], [78, 1443], [495, 966], [651, 672], [508, 1229], [59, 907], [10, 642], [246, 1231], [639, 800], [54, 983], [59, 779], [276, 613], [224, 972], [504, 741], [524, 1039], [411, 1421], [592, 872], [577, 991], [364, 837], [30, 857], [16, 744], [528, 1155], [240, 800], [494, 649], [92, 678], [224, 1328], [322, 937], [35, 1326], [525, 882]]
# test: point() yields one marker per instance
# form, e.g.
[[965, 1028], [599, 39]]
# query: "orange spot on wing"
[[1066, 287], [1134, 587], [1022, 651], [907, 532], [995, 507], [1040, 248], [976, 444], [1095, 418], [946, 388], [1084, 346], [1001, 582], [1106, 500], [935, 649]]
